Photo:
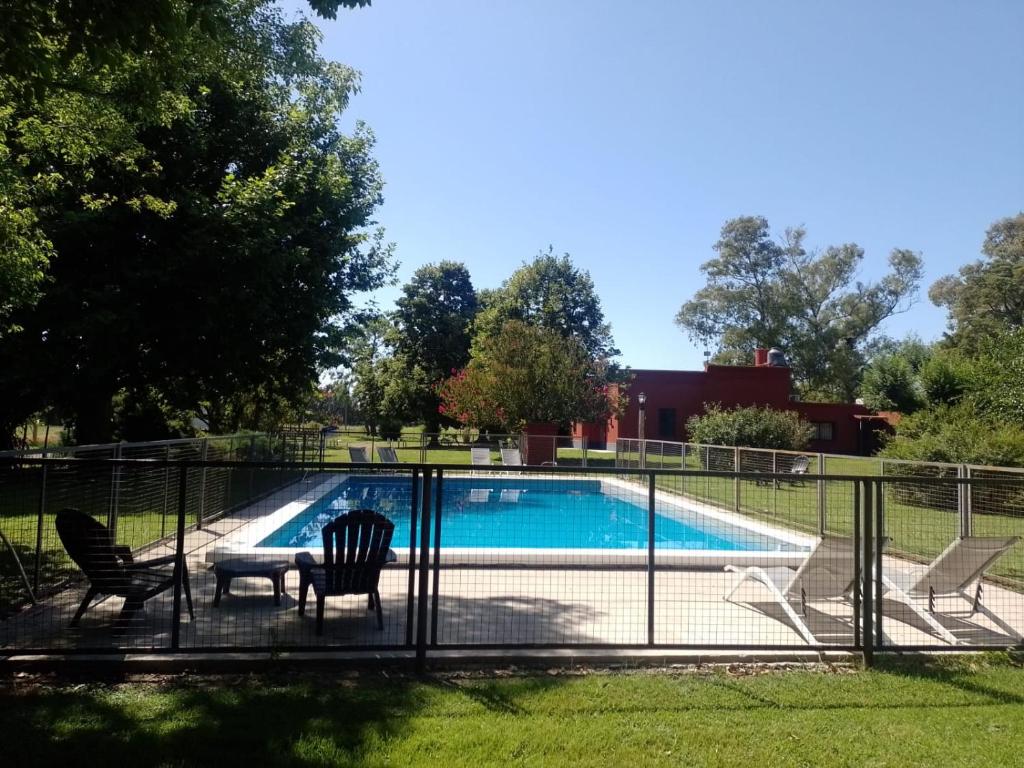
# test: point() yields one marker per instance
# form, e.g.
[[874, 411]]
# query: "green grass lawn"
[[954, 711]]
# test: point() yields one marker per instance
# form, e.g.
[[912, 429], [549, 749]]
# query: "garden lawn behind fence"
[[953, 711]]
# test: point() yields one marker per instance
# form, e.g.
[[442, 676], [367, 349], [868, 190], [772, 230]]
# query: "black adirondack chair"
[[110, 568], [356, 547]]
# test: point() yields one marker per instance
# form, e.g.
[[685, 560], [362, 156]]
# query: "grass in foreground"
[[952, 712]]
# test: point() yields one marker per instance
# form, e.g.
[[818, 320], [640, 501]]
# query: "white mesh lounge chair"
[[953, 573], [481, 457], [387, 455], [511, 457], [357, 454], [828, 572]]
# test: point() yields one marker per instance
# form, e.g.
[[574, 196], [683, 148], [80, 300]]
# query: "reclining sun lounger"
[[480, 457], [513, 457], [387, 455], [828, 572], [953, 573]]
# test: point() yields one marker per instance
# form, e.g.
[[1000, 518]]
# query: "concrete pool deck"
[[481, 606]]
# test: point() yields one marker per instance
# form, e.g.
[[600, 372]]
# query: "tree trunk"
[[94, 417], [432, 427]]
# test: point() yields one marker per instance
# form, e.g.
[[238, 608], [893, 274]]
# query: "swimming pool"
[[517, 513]]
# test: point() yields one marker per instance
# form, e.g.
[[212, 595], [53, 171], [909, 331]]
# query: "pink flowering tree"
[[528, 374]]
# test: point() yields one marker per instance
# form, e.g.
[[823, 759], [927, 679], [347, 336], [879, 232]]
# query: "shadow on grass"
[[330, 718], [270, 720]]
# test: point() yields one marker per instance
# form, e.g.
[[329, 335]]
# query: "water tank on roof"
[[776, 357]]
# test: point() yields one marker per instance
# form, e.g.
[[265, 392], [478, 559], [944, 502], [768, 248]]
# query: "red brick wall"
[[845, 428], [731, 386]]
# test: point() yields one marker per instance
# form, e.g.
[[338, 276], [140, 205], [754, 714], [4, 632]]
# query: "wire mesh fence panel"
[[715, 490], [254, 567], [660, 454], [921, 517], [528, 559], [998, 510], [747, 579], [20, 501], [517, 556], [627, 453], [93, 580], [860, 466], [571, 451], [945, 580], [758, 496]]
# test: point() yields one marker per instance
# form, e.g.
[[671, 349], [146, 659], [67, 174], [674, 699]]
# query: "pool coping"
[[244, 541]]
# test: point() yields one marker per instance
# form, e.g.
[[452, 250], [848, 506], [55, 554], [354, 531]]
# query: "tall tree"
[[432, 321], [766, 293], [47, 49], [368, 357], [527, 373], [210, 225], [986, 297], [550, 292]]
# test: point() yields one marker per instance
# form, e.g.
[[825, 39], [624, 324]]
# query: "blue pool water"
[[521, 513]]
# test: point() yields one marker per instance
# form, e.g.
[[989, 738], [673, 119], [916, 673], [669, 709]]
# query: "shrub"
[[750, 428], [957, 434]]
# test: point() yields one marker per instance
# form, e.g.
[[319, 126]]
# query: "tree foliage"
[[894, 379], [528, 373], [433, 320], [208, 224], [986, 297], [551, 293], [960, 433], [764, 293], [972, 406], [997, 377]]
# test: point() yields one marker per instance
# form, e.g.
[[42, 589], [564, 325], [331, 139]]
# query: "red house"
[[672, 397]]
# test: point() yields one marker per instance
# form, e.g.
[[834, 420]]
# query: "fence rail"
[[517, 557]]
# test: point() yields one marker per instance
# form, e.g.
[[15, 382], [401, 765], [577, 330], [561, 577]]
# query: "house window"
[[823, 430], [666, 423]]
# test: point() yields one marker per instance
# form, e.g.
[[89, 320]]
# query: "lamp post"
[[641, 400]]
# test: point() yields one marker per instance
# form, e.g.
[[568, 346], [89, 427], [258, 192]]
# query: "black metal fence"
[[502, 558]]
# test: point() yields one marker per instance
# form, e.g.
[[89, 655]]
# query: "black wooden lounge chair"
[[356, 547], [110, 568], [799, 467]]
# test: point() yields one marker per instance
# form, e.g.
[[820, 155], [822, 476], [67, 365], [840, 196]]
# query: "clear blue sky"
[[626, 133]]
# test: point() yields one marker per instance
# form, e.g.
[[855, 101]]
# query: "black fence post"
[[424, 566], [867, 561], [115, 490], [438, 499], [650, 559], [179, 558], [38, 564], [410, 604], [857, 634], [201, 508], [879, 542]]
